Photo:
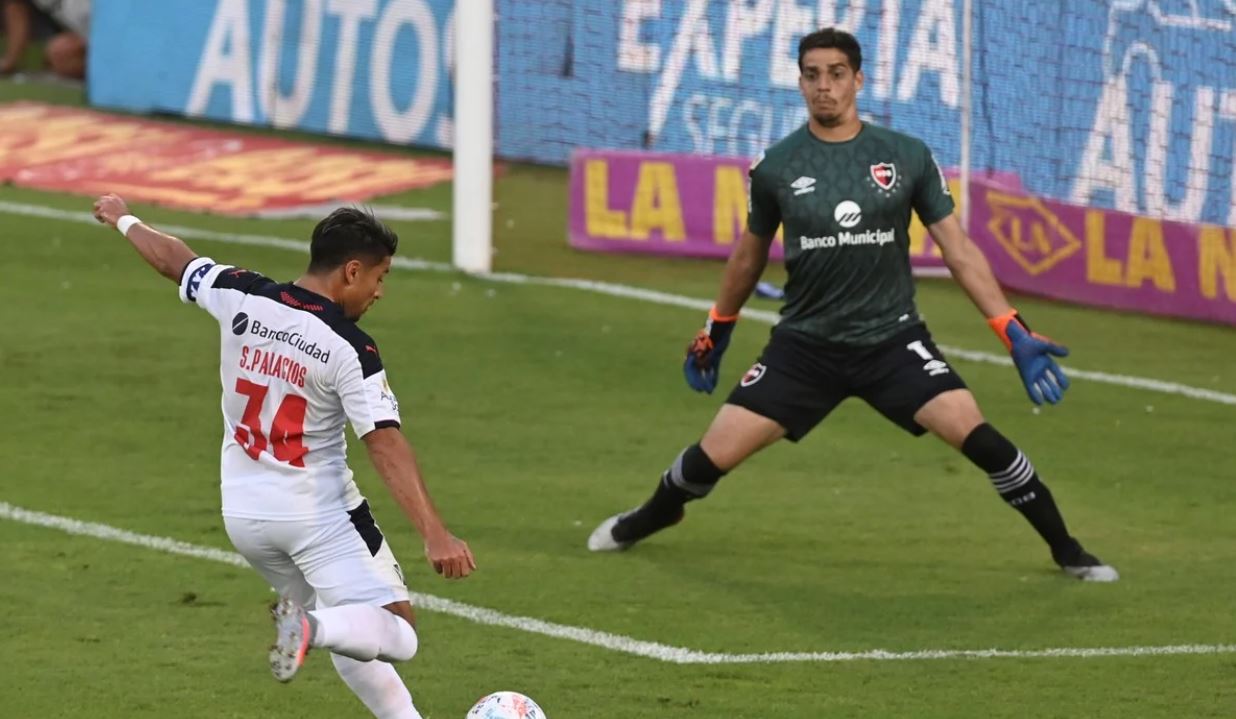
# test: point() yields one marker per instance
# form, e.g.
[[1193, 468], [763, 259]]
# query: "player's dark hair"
[[831, 37], [350, 233]]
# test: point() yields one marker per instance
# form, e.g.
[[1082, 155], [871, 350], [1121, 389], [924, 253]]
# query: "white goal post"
[[472, 204]]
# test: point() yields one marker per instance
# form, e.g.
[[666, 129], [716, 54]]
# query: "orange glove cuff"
[[712, 315], [1000, 325]]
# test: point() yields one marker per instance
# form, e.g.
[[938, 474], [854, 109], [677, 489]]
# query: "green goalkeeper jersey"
[[846, 207]]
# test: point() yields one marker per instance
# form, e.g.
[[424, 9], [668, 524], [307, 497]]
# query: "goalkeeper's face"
[[362, 286], [829, 86]]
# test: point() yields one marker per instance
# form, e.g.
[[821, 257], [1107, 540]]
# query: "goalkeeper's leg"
[[792, 388], [955, 418], [735, 434]]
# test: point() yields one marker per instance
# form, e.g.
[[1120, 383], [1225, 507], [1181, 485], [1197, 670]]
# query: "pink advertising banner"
[[664, 204], [696, 206], [1100, 257]]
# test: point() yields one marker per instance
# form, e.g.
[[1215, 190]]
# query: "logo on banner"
[[753, 375], [1029, 232], [884, 174]]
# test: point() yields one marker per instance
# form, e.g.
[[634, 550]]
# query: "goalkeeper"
[[843, 190]]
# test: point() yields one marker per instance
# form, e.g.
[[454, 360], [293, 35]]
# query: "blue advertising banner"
[[1121, 104], [374, 69]]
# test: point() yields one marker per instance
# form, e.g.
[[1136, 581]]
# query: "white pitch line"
[[617, 290], [604, 640]]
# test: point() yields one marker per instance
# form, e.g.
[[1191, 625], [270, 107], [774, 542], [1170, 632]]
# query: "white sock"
[[378, 686], [363, 632]]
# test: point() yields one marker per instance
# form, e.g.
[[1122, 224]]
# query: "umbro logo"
[[935, 367], [803, 185]]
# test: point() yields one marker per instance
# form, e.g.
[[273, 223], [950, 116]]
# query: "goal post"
[[472, 203]]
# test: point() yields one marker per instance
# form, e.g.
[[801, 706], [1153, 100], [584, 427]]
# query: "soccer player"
[[66, 50], [843, 190], [294, 368]]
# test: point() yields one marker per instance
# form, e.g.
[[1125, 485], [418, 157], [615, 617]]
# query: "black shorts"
[[798, 379]]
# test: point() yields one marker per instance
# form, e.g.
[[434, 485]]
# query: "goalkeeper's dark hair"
[[350, 233], [831, 37]]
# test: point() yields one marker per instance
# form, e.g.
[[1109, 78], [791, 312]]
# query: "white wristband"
[[126, 222]]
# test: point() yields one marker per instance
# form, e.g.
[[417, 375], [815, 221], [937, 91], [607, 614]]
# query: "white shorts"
[[324, 562]]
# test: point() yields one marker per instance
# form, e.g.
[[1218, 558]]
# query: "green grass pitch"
[[537, 412]]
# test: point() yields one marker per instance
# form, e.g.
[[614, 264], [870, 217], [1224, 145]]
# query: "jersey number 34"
[[286, 432]]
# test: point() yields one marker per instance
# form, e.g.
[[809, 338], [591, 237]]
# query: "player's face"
[[829, 86], [363, 286]]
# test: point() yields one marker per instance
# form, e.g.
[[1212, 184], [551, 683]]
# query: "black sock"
[[691, 476], [1018, 484]]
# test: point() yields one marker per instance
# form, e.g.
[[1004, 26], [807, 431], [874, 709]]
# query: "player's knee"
[[403, 610], [401, 643], [723, 457], [737, 434], [952, 416]]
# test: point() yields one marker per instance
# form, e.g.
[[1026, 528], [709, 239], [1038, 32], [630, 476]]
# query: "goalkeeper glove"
[[703, 360], [1032, 354]]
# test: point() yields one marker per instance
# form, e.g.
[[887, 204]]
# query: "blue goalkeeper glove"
[[1032, 354], [703, 361]]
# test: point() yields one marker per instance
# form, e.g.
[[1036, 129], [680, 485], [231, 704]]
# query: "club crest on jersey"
[[753, 375], [884, 174]]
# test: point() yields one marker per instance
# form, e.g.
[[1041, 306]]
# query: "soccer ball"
[[506, 705]]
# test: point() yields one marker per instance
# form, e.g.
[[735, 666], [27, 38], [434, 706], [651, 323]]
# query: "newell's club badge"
[[753, 375], [884, 174]]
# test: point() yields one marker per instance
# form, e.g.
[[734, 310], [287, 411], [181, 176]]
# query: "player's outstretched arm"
[[742, 271], [167, 254], [392, 456], [969, 267], [1032, 353]]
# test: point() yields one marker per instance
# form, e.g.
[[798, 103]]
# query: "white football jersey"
[[73, 14], [294, 370]]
